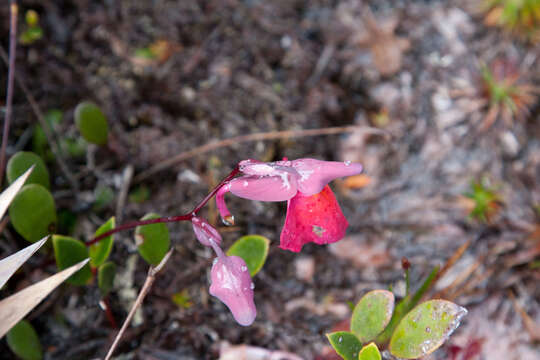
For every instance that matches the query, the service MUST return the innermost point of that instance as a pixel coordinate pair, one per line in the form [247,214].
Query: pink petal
[316,174]
[231,283]
[205,233]
[315,218]
[267,188]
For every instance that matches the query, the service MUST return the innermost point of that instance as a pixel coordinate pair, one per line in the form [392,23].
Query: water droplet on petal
[347,163]
[215,261]
[245,183]
[252,286]
[244,268]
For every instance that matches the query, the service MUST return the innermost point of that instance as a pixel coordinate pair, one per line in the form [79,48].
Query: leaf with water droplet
[370,352]
[346,344]
[425,328]
[372,314]
[253,249]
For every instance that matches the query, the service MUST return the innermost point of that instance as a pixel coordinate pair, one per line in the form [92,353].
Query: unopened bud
[205,233]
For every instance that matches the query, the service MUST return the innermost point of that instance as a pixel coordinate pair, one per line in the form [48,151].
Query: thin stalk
[168,219]
[14,9]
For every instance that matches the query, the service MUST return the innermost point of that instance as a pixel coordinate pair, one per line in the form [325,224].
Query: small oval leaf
[253,249]
[152,240]
[425,328]
[23,340]
[371,314]
[91,122]
[346,344]
[33,213]
[22,161]
[106,274]
[69,251]
[99,252]
[370,352]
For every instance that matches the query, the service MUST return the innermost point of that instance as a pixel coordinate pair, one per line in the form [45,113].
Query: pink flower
[313,214]
[231,283]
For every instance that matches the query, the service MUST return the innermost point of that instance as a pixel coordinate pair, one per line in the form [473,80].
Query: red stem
[185,217]
[108,312]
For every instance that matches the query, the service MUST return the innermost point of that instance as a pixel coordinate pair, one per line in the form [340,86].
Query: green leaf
[106,274]
[253,249]
[91,122]
[69,251]
[140,194]
[99,252]
[371,314]
[22,161]
[103,196]
[425,328]
[370,352]
[23,340]
[346,344]
[405,305]
[152,240]
[33,213]
[182,299]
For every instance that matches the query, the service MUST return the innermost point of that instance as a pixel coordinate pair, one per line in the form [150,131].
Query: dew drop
[347,163]
[340,339]
[228,220]
[214,262]
[425,346]
[245,183]
[428,329]
[244,268]
[252,286]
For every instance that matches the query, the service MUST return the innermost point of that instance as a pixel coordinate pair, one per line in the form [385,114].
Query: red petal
[316,218]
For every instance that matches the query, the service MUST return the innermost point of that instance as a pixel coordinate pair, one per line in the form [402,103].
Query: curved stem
[167,219]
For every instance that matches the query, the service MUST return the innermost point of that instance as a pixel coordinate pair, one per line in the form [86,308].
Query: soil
[227,68]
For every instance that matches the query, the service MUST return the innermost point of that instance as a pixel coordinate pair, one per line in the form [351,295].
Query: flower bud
[205,233]
[231,283]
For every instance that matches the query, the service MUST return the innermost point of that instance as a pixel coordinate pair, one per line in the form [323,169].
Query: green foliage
[405,305]
[66,221]
[33,31]
[152,240]
[23,340]
[22,161]
[74,147]
[346,344]
[33,213]
[69,251]
[425,328]
[485,201]
[372,314]
[182,299]
[91,122]
[140,194]
[100,251]
[40,144]
[499,92]
[253,249]
[105,274]
[370,352]
[103,196]
[518,16]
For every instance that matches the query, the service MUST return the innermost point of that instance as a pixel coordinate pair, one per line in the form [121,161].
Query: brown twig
[55,147]
[11,74]
[150,278]
[251,138]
